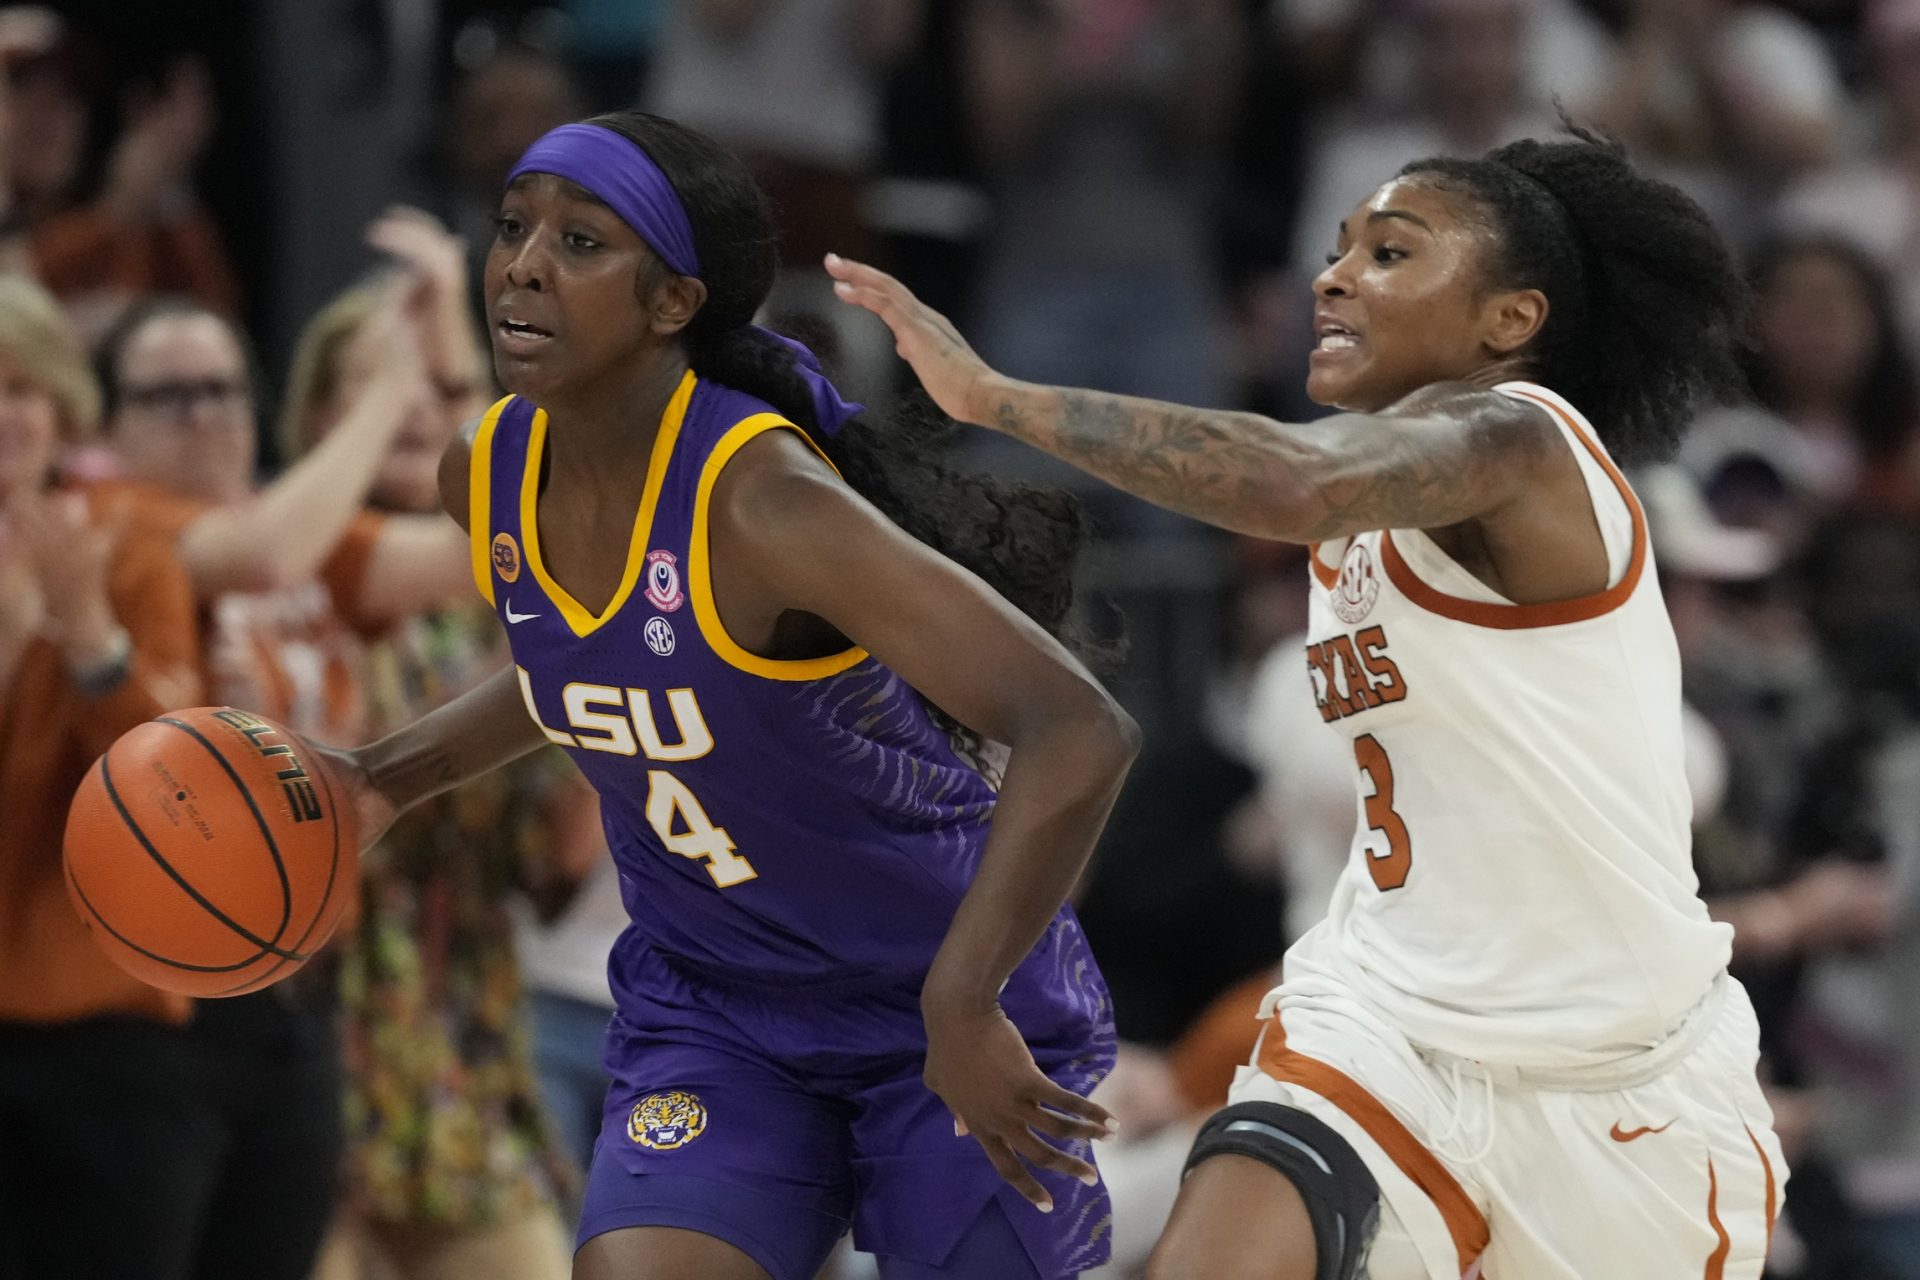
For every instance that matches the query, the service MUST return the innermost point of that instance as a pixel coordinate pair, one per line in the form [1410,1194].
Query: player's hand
[982,1069]
[373,810]
[947,367]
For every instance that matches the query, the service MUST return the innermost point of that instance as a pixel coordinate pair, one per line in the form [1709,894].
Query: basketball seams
[259,820]
[267,948]
[93,914]
[325,775]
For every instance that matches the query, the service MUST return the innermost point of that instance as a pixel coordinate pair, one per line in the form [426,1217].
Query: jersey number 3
[1389,869]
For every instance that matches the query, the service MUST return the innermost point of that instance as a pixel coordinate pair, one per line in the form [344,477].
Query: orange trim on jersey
[1717,1260]
[1513,617]
[1327,577]
[1766,1165]
[1465,1223]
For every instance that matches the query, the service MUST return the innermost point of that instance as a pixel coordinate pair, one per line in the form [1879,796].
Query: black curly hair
[1646,307]
[1022,541]
[1884,408]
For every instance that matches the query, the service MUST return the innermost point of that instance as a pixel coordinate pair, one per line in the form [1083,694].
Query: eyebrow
[1381,215]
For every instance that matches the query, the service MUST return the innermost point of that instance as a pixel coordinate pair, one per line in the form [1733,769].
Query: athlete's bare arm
[476,733]
[788,535]
[1449,456]
[1445,454]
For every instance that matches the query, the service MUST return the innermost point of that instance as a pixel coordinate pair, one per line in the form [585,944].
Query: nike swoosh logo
[518,617]
[1628,1135]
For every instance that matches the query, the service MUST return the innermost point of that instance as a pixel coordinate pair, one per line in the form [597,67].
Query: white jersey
[1520,889]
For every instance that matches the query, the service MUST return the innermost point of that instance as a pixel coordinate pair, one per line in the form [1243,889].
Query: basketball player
[1512,1048]
[765,679]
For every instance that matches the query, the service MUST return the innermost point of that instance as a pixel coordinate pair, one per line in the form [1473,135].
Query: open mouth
[1334,336]
[519,329]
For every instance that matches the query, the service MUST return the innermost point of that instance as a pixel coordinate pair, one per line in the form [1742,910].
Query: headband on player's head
[621,175]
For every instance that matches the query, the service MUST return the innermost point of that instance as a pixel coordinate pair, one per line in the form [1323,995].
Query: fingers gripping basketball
[208,852]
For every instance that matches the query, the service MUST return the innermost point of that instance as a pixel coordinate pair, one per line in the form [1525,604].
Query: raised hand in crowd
[167,129]
[449,340]
[54,563]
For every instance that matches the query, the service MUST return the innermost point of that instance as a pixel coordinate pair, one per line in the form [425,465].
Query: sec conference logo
[1358,587]
[506,557]
[659,634]
[667,1121]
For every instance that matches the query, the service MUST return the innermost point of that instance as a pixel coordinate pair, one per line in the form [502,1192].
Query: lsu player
[850,991]
[1512,1048]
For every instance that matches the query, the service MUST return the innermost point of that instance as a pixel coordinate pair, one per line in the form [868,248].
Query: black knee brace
[1342,1199]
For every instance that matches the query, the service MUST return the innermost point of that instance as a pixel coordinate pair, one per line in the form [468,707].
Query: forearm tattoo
[1437,460]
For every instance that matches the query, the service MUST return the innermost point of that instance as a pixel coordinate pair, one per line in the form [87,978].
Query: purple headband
[625,178]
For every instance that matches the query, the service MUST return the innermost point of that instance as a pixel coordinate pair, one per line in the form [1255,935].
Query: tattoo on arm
[1436,458]
[1201,463]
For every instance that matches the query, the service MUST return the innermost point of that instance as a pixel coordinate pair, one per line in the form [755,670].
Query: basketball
[209,853]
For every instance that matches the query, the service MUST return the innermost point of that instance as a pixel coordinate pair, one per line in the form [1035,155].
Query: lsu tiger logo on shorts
[506,557]
[667,1121]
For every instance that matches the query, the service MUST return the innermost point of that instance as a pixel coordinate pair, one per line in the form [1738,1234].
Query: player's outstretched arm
[784,525]
[1446,454]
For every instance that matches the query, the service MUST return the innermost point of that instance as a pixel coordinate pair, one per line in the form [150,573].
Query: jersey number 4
[1389,869]
[671,804]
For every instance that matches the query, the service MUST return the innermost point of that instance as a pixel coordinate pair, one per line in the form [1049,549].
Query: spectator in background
[287,581]
[1359,53]
[1874,200]
[96,636]
[451,1170]
[510,95]
[1471,82]
[810,132]
[1102,129]
[1833,369]
[143,231]
[1843,931]
[1727,98]
[564,939]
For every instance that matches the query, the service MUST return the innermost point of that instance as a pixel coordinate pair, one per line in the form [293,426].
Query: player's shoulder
[456,463]
[774,472]
[1511,415]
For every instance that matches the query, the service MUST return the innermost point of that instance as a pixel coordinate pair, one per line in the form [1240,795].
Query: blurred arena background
[1125,194]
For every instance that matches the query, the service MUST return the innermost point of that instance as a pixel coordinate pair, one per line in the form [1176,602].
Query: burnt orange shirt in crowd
[50,970]
[292,654]
[87,250]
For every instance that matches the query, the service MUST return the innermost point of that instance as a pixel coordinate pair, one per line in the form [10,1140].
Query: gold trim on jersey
[479,498]
[700,580]
[582,621]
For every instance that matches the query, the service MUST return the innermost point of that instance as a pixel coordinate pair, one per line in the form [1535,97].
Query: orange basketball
[210,852]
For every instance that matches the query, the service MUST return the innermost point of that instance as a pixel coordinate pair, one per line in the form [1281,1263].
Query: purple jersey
[785,822]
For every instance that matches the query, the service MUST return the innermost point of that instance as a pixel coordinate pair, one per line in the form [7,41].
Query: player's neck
[606,430]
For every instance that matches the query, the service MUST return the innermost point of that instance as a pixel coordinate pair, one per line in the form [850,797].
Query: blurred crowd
[212,491]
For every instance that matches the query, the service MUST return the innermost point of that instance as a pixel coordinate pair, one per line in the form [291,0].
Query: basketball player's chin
[525,375]
[1333,384]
